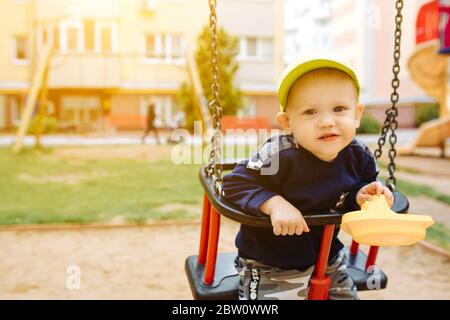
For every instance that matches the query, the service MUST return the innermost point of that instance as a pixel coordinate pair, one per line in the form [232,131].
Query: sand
[148,263]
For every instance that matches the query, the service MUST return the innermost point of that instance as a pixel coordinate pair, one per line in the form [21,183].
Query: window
[81,112]
[56,37]
[48,32]
[164,46]
[266,49]
[16,110]
[20,48]
[251,47]
[256,48]
[105,34]
[153,46]
[177,50]
[72,39]
[89,35]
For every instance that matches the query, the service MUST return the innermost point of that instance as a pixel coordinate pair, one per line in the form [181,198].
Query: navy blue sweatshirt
[308,183]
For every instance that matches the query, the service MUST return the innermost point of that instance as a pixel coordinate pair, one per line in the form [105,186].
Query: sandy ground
[148,263]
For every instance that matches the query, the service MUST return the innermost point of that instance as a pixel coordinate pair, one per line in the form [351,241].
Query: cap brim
[291,74]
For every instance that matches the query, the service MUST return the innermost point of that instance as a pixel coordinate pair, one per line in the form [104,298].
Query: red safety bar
[204,231]
[211,252]
[354,248]
[372,257]
[320,282]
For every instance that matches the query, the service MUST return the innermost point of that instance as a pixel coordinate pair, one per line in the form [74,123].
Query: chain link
[391,124]
[214,168]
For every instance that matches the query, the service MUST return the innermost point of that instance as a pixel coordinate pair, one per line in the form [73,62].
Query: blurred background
[111,57]
[91,92]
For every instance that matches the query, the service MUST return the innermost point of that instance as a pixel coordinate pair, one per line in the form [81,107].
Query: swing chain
[214,168]
[390,122]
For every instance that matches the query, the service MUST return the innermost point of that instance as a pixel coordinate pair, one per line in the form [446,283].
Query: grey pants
[258,281]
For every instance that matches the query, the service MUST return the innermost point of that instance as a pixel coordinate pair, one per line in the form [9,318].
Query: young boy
[317,166]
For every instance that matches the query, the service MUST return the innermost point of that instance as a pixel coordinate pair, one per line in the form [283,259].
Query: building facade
[364,31]
[112,57]
[307,27]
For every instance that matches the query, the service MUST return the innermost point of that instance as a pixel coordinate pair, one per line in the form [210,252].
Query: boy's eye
[310,112]
[340,109]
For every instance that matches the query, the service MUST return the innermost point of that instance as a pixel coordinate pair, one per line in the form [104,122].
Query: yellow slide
[430,71]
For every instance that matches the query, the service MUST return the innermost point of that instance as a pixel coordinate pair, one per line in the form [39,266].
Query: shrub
[369,125]
[426,112]
[49,124]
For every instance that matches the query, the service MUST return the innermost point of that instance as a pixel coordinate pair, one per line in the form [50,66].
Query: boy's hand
[286,219]
[374,188]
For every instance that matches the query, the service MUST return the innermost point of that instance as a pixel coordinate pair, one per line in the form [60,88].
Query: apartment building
[364,31]
[307,26]
[112,57]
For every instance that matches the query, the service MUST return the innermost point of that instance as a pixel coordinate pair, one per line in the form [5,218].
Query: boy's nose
[326,121]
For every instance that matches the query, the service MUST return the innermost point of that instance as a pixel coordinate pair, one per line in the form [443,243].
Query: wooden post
[198,94]
[42,109]
[32,96]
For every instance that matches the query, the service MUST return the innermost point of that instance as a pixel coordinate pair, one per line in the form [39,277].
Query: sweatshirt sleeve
[248,188]
[369,174]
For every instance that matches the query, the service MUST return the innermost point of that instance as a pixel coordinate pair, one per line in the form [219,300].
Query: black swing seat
[225,284]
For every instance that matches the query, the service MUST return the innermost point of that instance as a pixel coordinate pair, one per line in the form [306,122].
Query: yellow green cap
[308,63]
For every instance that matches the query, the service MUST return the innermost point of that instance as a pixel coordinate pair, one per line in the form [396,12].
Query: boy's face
[322,112]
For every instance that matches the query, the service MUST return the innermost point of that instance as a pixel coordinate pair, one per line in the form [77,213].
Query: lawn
[41,187]
[36,187]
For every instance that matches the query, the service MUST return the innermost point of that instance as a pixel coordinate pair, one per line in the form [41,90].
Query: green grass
[92,190]
[36,187]
[403,169]
[439,235]
[414,190]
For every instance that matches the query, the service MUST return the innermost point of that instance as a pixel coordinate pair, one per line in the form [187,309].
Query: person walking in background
[150,125]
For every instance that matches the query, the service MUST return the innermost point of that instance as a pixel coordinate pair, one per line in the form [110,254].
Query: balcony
[84,71]
[56,9]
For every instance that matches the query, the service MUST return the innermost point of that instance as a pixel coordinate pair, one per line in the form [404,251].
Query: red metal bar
[204,231]
[372,256]
[213,240]
[320,283]
[354,248]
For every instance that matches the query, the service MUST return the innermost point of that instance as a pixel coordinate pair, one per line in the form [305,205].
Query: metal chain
[214,168]
[391,114]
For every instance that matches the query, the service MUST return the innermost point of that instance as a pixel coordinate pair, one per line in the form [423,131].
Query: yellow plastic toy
[377,225]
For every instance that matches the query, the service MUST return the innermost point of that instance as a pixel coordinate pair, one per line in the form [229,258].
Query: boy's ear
[359,112]
[283,120]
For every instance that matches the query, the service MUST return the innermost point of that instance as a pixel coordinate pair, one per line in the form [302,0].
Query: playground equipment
[377,225]
[197,89]
[429,68]
[213,276]
[39,79]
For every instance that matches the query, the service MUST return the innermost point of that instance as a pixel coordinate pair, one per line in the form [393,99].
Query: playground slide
[36,85]
[430,71]
[198,94]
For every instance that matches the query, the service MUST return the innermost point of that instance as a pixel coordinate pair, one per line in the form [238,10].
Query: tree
[230,95]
